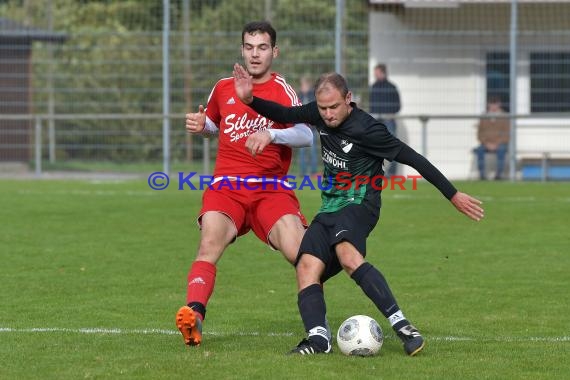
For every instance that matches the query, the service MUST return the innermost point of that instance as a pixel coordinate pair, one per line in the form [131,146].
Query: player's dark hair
[262,27]
[335,80]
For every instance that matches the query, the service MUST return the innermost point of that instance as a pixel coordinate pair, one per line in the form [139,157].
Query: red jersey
[236,122]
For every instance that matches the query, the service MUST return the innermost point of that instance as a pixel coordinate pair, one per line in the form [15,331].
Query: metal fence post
[51,139]
[544,167]
[338,36]
[166,87]
[38,144]
[424,120]
[513,90]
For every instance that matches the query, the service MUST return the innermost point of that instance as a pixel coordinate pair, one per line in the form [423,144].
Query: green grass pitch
[93,272]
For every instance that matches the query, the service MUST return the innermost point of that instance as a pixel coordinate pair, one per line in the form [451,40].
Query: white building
[448,56]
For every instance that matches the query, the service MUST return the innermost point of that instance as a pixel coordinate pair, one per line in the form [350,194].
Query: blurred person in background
[493,134]
[385,100]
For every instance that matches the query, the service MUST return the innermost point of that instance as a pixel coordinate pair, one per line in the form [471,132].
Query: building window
[498,77]
[550,82]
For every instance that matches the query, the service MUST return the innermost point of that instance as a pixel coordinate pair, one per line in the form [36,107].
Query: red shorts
[253,208]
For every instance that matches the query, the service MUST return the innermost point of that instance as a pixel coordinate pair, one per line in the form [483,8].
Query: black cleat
[308,347]
[412,339]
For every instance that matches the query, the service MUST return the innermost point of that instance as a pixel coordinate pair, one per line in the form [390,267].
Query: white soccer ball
[360,335]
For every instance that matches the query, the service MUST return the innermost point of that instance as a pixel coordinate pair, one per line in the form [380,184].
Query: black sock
[376,288]
[199,308]
[311,302]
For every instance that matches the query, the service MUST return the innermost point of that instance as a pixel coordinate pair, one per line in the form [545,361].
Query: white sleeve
[297,136]
[210,128]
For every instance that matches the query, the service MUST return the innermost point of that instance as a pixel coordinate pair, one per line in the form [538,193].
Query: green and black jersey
[353,154]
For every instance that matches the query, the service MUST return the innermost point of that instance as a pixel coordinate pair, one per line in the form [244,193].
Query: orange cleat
[189,325]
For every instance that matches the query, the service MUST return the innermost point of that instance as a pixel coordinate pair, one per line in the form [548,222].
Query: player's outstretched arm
[307,113]
[463,203]
[196,121]
[468,205]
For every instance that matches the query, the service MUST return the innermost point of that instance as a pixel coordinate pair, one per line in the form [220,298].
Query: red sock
[201,280]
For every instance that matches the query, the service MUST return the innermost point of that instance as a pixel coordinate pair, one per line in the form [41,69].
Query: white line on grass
[98,330]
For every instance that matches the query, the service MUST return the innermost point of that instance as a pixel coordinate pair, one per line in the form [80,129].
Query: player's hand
[256,142]
[195,122]
[243,84]
[468,205]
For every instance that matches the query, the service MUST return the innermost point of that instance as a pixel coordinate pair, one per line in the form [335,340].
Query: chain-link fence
[62,57]
[99,59]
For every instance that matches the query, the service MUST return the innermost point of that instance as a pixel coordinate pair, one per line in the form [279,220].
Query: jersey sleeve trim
[288,90]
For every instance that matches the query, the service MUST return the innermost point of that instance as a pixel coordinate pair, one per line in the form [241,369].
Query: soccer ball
[360,335]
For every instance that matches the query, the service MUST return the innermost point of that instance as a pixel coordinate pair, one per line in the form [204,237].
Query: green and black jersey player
[354,144]
[353,153]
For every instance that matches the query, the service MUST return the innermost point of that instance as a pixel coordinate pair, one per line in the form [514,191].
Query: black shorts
[353,224]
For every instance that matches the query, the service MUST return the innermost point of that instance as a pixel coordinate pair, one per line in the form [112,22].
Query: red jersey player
[251,149]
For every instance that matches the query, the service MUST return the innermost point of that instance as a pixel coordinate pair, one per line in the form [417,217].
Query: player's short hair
[262,27]
[333,79]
